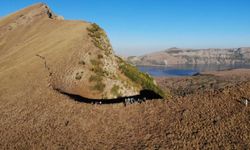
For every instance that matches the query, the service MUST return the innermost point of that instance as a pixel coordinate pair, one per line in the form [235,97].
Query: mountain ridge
[76,56]
[175,56]
[41,59]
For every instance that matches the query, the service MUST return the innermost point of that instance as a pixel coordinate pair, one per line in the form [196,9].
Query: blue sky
[137,27]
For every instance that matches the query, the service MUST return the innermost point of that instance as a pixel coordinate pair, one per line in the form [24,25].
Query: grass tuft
[78,75]
[99,74]
[82,62]
[115,90]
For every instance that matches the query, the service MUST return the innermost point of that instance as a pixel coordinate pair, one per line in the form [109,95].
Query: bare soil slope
[34,116]
[73,57]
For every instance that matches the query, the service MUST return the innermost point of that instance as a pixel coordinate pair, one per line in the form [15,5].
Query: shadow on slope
[142,97]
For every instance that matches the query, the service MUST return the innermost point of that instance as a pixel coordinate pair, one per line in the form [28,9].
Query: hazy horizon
[148,51]
[145,26]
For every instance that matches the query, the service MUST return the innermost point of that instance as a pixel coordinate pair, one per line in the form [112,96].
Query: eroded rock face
[175,56]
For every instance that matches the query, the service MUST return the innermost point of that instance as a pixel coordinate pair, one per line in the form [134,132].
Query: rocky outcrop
[175,56]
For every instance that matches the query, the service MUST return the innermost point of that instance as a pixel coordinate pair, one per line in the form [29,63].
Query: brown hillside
[40,52]
[73,57]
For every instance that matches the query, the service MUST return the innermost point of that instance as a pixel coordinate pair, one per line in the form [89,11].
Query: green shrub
[97,67]
[82,62]
[98,77]
[115,90]
[78,76]
[100,56]
[94,28]
[99,86]
[140,78]
[95,78]
[13,25]
[95,62]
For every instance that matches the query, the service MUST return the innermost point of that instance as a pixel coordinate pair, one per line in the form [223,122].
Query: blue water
[164,71]
[186,70]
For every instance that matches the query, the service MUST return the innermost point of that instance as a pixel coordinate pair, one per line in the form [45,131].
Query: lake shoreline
[187,70]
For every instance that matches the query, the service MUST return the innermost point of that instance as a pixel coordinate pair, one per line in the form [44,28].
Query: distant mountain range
[175,56]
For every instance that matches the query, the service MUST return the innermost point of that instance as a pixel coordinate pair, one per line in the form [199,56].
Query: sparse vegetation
[100,56]
[78,75]
[115,90]
[94,62]
[12,26]
[99,86]
[99,38]
[97,67]
[94,28]
[82,62]
[95,78]
[140,78]
[99,74]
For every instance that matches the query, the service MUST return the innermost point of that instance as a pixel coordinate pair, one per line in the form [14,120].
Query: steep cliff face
[175,56]
[77,56]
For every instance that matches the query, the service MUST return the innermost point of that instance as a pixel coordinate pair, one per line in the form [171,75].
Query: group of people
[133,100]
[126,101]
